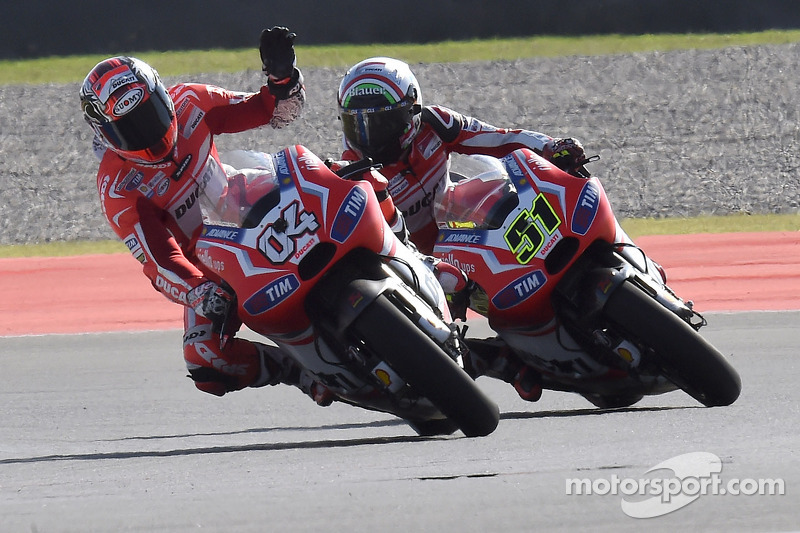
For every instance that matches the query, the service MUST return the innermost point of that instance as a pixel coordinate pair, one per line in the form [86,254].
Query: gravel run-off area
[682,133]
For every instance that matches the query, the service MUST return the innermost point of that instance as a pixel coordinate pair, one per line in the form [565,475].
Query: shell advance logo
[223,233]
[282,172]
[462,236]
[515,173]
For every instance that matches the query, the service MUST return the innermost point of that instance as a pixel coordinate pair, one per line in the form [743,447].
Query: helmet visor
[143,128]
[370,130]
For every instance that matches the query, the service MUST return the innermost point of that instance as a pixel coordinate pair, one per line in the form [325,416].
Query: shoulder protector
[445,122]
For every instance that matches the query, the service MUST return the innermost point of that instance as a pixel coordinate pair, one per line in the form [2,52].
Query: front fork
[585,289]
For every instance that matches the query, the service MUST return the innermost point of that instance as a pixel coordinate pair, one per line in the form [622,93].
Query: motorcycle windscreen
[480,202]
[239,197]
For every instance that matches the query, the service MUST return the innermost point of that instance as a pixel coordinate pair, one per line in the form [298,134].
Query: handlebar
[353,170]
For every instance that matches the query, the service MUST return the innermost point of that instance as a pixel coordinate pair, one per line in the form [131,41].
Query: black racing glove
[287,87]
[277,52]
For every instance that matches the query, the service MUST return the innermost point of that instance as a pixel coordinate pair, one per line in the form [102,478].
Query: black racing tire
[686,358]
[434,427]
[612,402]
[421,363]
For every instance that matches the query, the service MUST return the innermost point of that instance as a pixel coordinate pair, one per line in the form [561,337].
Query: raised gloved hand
[277,52]
[567,153]
[286,88]
[211,301]
[284,81]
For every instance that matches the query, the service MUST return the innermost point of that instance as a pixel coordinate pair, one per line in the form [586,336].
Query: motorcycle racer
[156,151]
[382,117]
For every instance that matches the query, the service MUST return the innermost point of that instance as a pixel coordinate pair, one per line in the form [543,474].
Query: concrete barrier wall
[39,28]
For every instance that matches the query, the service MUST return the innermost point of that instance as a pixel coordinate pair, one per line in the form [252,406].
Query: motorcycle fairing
[555,218]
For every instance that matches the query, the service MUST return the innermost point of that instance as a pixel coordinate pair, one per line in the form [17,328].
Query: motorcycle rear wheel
[421,363]
[687,359]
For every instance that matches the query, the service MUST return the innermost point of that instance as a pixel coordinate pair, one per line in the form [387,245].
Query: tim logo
[586,208]
[272,295]
[349,214]
[519,290]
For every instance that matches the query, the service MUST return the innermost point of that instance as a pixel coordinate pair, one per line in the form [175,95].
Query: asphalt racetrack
[103,432]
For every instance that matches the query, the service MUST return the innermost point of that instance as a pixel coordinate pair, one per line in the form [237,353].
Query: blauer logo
[519,290]
[271,295]
[349,214]
[586,208]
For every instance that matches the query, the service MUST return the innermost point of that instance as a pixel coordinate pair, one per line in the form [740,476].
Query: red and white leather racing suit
[154,210]
[416,179]
[422,173]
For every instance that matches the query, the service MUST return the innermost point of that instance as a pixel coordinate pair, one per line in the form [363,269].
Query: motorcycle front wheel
[421,363]
[686,358]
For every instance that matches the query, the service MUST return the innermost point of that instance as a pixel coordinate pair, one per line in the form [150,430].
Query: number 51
[526,236]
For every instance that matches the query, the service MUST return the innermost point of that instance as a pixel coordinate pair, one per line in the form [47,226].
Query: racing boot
[526,383]
[493,358]
[315,390]
[277,367]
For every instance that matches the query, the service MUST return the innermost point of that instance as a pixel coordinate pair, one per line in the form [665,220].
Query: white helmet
[379,105]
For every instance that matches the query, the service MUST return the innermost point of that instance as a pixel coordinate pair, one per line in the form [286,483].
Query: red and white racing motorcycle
[568,291]
[317,270]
